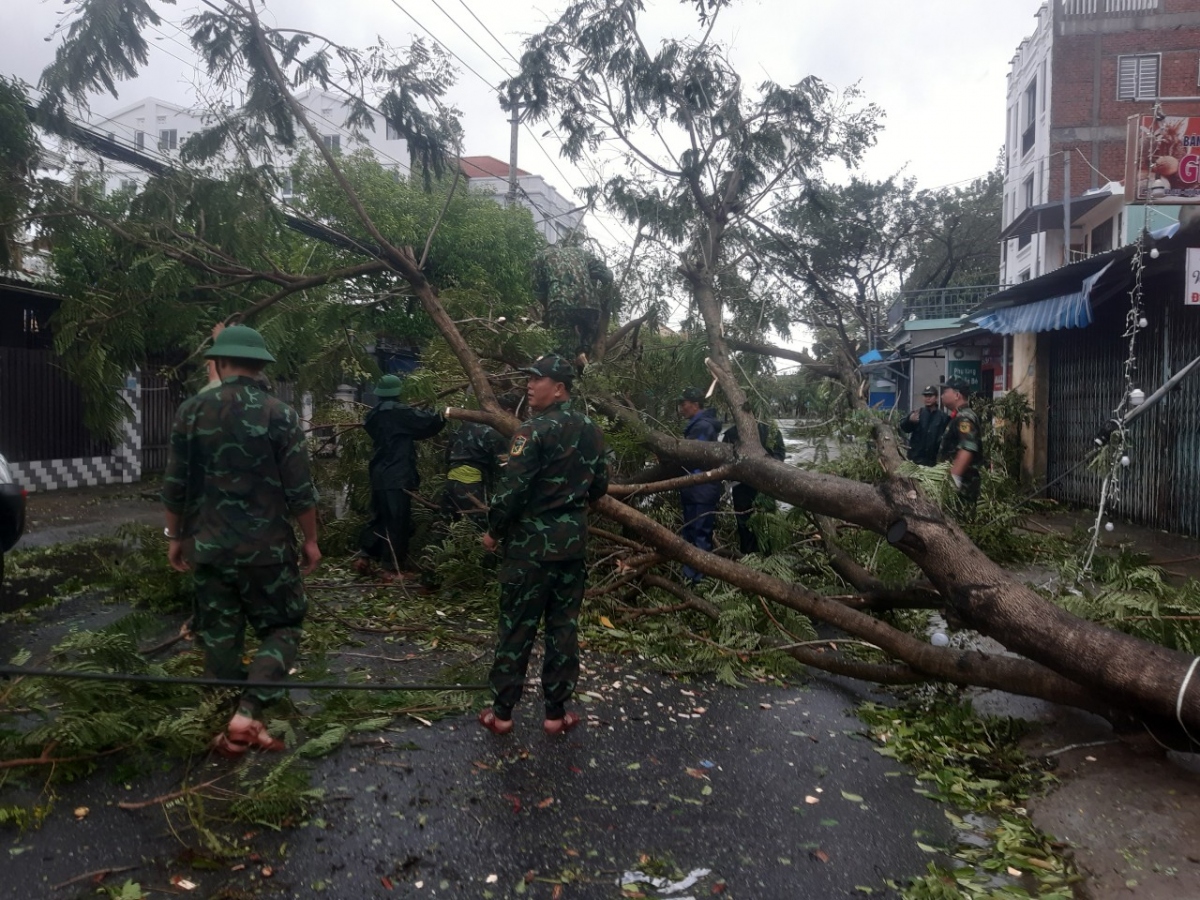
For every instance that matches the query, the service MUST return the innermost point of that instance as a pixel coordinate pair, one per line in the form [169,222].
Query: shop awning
[1049,216]
[1073,310]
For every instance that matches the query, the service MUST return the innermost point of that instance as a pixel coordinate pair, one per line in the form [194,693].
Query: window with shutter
[1137,77]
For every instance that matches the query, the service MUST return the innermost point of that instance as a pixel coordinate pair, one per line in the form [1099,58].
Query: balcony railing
[1097,8]
[939,303]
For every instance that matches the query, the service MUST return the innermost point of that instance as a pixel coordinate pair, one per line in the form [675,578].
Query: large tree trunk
[1128,673]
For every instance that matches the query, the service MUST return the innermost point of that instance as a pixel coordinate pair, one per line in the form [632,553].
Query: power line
[493,87]
[470,38]
[468,66]
[21,672]
[489,31]
[533,136]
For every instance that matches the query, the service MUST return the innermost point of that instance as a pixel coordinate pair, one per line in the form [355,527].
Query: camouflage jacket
[569,277]
[556,466]
[963,433]
[478,445]
[393,427]
[237,474]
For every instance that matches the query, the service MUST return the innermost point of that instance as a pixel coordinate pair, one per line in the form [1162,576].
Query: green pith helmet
[240,342]
[388,386]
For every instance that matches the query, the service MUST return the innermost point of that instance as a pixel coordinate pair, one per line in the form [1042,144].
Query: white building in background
[159,129]
[553,214]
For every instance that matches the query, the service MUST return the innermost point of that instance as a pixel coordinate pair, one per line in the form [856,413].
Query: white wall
[1032,61]
[552,212]
[151,116]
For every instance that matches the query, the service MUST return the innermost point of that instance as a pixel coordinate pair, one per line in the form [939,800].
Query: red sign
[1162,160]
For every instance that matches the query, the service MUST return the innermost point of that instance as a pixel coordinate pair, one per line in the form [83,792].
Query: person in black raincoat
[394,428]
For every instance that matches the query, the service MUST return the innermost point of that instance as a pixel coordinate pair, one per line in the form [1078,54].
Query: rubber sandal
[223,746]
[488,719]
[561,726]
[244,734]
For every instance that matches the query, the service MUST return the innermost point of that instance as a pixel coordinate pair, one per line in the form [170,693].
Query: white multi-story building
[159,129]
[1073,85]
[553,214]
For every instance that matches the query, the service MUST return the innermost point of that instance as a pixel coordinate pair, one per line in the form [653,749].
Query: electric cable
[63,674]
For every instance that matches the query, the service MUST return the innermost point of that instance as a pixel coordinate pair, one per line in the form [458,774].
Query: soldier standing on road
[474,457]
[556,467]
[700,500]
[962,443]
[394,428]
[925,427]
[237,476]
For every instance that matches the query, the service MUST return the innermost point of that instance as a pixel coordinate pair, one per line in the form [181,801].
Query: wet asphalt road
[453,811]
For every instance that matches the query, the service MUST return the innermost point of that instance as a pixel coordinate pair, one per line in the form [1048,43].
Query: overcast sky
[937,67]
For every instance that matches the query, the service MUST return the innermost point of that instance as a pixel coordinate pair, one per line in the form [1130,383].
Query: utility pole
[514,108]
[1066,207]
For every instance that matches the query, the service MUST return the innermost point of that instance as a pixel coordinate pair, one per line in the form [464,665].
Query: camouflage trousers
[470,500]
[574,329]
[270,599]
[968,495]
[530,591]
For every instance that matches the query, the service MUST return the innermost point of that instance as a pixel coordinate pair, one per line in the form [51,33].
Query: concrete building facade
[1074,83]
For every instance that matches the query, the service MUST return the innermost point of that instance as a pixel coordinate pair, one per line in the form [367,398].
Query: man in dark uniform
[237,477]
[394,428]
[700,500]
[743,495]
[925,427]
[556,467]
[474,457]
[962,443]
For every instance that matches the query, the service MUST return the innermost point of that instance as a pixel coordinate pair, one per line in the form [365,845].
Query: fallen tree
[708,159]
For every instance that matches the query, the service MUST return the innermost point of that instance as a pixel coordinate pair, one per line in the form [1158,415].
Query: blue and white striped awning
[1066,311]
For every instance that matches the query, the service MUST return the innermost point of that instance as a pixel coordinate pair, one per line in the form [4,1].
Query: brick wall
[1086,115]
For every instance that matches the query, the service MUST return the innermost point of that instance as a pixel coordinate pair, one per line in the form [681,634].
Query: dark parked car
[12,513]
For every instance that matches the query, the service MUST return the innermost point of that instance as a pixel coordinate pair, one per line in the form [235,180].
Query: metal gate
[41,410]
[1161,486]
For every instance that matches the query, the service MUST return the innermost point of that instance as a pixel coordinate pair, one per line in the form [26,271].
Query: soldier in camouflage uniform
[556,466]
[575,287]
[962,444]
[237,476]
[474,457]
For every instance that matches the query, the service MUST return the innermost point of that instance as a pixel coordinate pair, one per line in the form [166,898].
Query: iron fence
[41,410]
[938,303]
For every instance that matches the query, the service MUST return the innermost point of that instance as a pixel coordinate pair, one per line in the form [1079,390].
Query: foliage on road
[974,764]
